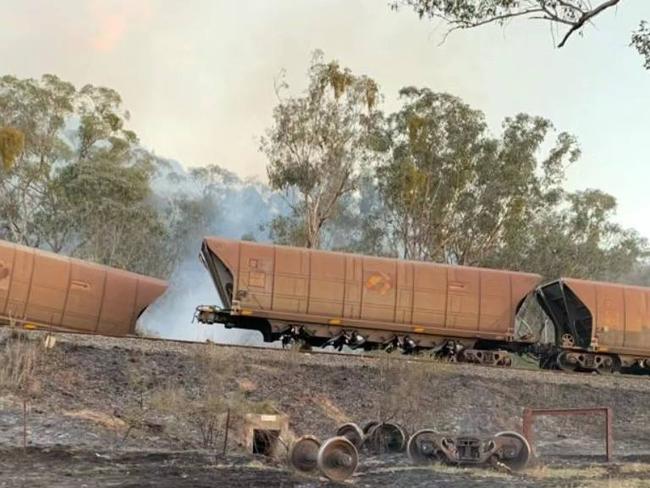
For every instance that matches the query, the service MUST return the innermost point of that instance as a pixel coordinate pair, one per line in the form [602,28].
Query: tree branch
[586,17]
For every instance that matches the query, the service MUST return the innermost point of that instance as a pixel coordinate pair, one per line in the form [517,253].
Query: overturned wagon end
[46,290]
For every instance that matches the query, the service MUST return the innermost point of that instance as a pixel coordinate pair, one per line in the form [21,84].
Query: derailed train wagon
[44,289]
[597,326]
[330,298]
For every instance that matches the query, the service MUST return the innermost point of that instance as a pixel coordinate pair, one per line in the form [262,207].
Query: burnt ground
[88,392]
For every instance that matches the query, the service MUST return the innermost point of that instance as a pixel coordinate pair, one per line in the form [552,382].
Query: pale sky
[197,75]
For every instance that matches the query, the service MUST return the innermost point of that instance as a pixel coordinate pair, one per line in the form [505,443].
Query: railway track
[373,356]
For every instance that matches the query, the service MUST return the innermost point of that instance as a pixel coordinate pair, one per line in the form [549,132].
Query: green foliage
[641,42]
[442,187]
[575,239]
[358,224]
[82,187]
[428,181]
[288,230]
[12,142]
[565,17]
[452,192]
[317,144]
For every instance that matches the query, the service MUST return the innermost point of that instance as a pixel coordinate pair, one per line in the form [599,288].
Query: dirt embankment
[129,412]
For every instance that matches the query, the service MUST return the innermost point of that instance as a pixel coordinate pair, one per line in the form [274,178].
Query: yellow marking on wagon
[246,311]
[418,328]
[335,321]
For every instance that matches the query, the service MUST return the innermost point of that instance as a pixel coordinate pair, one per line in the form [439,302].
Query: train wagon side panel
[636,318]
[610,327]
[291,280]
[379,293]
[256,268]
[19,274]
[463,298]
[49,290]
[326,284]
[7,267]
[620,314]
[85,294]
[353,287]
[496,302]
[118,304]
[295,285]
[429,295]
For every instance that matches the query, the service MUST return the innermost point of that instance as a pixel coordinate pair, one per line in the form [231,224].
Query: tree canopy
[81,184]
[317,145]
[452,191]
[567,17]
[432,182]
[428,181]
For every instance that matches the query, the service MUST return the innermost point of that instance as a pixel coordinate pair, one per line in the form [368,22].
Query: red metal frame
[530,414]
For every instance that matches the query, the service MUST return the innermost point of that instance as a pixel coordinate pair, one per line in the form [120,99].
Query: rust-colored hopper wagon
[44,289]
[329,298]
[597,326]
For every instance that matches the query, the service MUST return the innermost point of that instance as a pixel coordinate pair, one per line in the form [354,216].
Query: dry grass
[592,476]
[562,473]
[20,360]
[635,468]
[330,410]
[205,408]
[19,357]
[613,483]
[404,388]
[107,421]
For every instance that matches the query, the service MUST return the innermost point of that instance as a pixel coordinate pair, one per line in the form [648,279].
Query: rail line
[376,356]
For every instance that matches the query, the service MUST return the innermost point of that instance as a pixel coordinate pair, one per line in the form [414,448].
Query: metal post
[527,428]
[608,434]
[225,438]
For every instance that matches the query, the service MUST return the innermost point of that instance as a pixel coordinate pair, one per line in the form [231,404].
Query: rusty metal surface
[620,313]
[530,414]
[337,459]
[303,454]
[49,290]
[509,450]
[295,284]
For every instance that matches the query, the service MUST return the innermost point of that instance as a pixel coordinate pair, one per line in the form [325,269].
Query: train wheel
[609,365]
[386,437]
[369,426]
[338,459]
[513,450]
[303,455]
[566,362]
[351,432]
[422,447]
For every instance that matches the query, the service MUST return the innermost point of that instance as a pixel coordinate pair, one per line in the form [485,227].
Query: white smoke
[243,206]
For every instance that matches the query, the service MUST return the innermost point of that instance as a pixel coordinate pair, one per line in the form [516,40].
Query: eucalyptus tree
[452,191]
[81,184]
[316,146]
